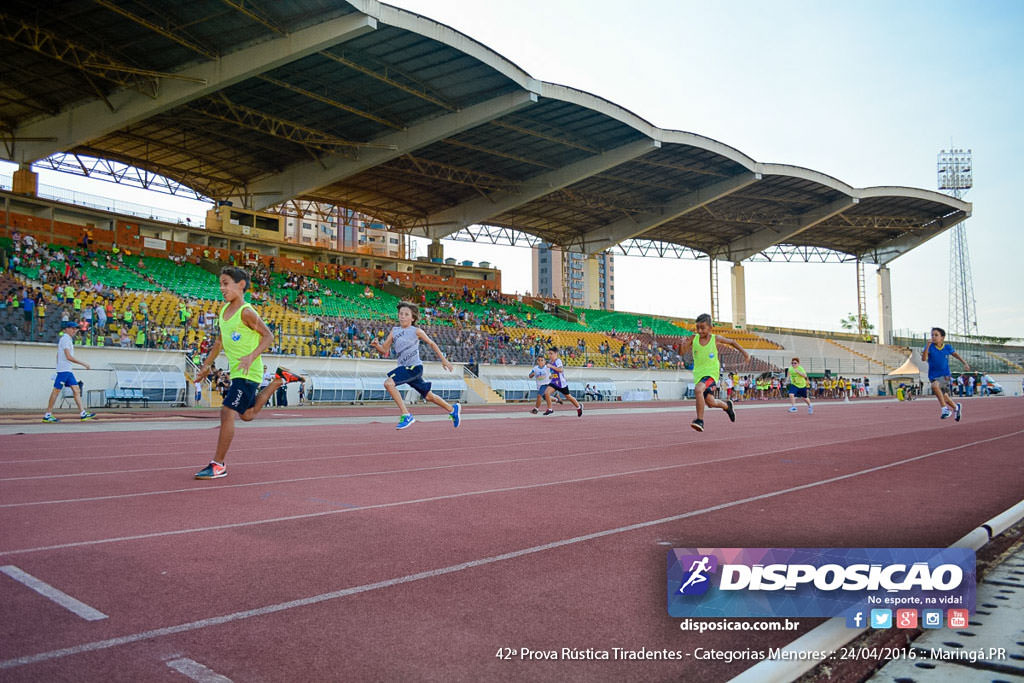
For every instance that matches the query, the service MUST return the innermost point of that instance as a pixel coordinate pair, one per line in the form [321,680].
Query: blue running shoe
[50,418]
[957,414]
[406,421]
[214,470]
[87,416]
[455,415]
[792,409]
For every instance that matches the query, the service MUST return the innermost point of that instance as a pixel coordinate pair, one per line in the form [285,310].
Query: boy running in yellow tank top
[798,386]
[707,367]
[243,338]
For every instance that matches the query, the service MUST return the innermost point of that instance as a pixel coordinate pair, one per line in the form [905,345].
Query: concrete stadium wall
[671,383]
[27,369]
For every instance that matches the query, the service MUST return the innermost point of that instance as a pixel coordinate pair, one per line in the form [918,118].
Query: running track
[338,549]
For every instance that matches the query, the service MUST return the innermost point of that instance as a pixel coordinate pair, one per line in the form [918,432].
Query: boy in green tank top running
[243,338]
[798,384]
[706,368]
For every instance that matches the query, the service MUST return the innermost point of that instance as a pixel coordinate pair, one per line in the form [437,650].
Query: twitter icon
[881,618]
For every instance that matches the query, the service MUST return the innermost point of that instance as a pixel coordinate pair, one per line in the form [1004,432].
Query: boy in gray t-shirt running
[406,338]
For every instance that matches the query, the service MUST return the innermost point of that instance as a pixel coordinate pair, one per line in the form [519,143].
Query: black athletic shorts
[564,390]
[241,395]
[709,386]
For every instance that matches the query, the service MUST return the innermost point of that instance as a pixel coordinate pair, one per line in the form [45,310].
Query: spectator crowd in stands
[471,325]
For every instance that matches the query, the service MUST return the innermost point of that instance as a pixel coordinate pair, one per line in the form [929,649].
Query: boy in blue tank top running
[406,338]
[707,367]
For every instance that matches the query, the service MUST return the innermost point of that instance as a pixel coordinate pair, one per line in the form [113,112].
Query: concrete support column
[435,250]
[885,332]
[739,296]
[25,181]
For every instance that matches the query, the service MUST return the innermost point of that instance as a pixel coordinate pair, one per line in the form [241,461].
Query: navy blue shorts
[411,375]
[64,379]
[799,392]
[563,390]
[709,386]
[241,395]
[542,389]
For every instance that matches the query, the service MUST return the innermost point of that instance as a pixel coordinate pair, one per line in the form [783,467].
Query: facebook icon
[855,620]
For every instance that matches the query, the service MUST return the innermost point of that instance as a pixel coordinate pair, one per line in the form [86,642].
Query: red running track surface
[354,552]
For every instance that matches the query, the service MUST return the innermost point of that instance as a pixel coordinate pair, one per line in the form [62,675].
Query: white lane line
[451,569]
[47,591]
[449,496]
[546,458]
[265,444]
[386,452]
[103,426]
[196,671]
[349,475]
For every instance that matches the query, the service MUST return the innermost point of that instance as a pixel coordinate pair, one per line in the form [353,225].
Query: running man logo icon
[695,581]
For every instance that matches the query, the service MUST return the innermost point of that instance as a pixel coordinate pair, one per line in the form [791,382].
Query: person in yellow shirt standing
[798,386]
[243,338]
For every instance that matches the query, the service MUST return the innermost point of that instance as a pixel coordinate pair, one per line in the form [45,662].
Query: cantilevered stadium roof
[370,107]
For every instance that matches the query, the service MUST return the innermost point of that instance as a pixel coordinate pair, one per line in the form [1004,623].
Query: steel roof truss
[633,226]
[86,60]
[477,210]
[88,121]
[169,31]
[745,247]
[417,90]
[307,177]
[898,246]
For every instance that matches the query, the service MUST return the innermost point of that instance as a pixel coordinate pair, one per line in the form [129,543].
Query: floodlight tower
[955,177]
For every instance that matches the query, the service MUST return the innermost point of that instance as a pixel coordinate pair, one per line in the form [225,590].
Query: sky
[868,92]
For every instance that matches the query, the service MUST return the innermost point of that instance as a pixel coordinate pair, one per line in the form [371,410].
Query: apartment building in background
[342,229]
[574,278]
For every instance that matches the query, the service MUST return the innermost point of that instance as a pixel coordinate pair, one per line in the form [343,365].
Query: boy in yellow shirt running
[243,338]
[707,367]
[798,382]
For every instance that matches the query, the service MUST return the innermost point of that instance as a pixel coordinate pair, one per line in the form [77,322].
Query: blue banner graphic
[862,584]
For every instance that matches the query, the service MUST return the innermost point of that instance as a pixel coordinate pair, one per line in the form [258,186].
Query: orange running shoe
[288,376]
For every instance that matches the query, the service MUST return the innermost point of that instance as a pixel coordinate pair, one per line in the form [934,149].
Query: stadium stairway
[885,367]
[398,291]
[480,388]
[1003,359]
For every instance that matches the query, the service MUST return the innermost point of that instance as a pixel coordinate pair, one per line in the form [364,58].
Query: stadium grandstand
[317,308]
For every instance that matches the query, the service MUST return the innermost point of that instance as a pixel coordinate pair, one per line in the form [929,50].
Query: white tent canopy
[908,369]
